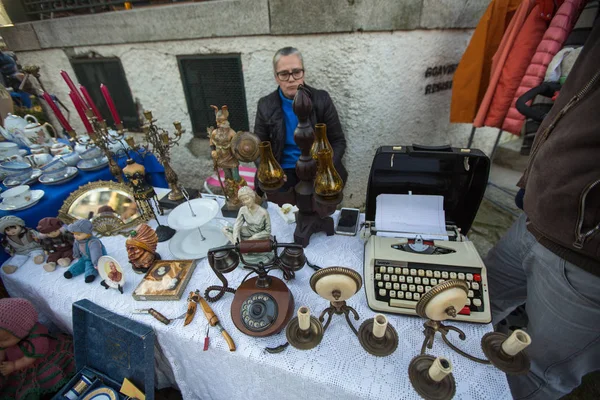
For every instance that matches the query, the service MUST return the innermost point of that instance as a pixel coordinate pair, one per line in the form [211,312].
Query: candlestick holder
[377,336]
[159,142]
[102,138]
[304,332]
[319,191]
[441,303]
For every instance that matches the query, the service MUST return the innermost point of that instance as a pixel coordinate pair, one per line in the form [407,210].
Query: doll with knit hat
[87,248]
[32,362]
[56,242]
[20,242]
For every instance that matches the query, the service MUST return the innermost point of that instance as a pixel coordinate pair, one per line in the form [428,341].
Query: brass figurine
[227,148]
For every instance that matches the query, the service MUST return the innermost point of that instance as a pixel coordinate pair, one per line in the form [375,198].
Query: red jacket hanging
[512,70]
[552,42]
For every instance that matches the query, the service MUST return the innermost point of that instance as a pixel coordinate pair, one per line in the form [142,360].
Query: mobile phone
[348,222]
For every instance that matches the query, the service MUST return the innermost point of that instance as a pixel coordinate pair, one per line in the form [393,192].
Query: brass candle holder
[159,142]
[443,302]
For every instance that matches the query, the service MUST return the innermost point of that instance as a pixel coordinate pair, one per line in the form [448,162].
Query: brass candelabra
[102,139]
[159,142]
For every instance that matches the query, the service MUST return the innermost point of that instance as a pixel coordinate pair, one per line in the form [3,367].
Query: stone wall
[390,87]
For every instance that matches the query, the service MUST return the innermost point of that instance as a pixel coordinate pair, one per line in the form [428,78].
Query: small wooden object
[213,320]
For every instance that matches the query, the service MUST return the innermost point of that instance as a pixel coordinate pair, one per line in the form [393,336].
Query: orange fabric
[472,76]
[508,40]
[518,60]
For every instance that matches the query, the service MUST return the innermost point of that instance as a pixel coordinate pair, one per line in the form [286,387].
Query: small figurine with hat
[87,248]
[141,248]
[56,242]
[19,242]
[33,364]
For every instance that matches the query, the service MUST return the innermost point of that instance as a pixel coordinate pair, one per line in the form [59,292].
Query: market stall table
[337,368]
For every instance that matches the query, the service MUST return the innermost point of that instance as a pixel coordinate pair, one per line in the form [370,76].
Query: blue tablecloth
[54,196]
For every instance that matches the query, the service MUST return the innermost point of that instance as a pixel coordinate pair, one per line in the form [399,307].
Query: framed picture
[165,280]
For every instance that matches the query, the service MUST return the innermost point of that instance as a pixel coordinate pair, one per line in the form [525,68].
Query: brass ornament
[304,340]
[436,290]
[245,146]
[335,271]
[418,374]
[106,224]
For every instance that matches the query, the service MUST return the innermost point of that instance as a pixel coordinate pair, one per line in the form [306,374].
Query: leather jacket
[270,125]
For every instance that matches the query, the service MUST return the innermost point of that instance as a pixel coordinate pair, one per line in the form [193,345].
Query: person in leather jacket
[276,121]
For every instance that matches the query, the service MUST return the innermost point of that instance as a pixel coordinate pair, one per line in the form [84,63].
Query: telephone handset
[262,305]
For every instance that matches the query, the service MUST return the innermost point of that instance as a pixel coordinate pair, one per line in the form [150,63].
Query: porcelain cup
[91,153]
[60,148]
[55,168]
[8,149]
[16,196]
[15,168]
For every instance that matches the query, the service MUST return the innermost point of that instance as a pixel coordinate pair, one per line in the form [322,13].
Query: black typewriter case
[460,175]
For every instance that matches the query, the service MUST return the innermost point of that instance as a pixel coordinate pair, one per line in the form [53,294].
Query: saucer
[70,174]
[188,245]
[36,195]
[87,165]
[10,182]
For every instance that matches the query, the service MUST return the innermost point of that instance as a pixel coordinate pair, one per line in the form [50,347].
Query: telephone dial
[262,305]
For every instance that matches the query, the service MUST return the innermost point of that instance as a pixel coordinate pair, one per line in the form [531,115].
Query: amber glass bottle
[328,183]
[321,142]
[269,173]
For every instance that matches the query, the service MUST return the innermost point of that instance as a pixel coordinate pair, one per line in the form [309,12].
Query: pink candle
[59,115]
[81,111]
[90,102]
[110,103]
[72,86]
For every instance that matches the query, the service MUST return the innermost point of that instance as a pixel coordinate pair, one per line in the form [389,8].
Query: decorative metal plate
[436,290]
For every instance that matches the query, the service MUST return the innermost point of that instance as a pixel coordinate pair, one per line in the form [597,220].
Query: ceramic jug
[15,127]
[36,133]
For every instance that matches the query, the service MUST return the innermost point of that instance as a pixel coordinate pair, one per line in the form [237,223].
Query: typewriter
[401,265]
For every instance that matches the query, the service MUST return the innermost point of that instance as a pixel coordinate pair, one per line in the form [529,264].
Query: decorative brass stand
[314,211]
[159,143]
[441,302]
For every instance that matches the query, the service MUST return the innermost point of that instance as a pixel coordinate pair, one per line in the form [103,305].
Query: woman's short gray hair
[245,191]
[286,51]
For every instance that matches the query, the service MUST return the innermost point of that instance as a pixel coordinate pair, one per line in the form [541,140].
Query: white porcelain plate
[108,265]
[192,214]
[188,245]
[36,195]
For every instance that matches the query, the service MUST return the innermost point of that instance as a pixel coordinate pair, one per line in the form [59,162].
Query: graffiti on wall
[437,71]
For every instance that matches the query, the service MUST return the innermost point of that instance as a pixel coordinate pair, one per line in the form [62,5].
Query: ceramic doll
[87,248]
[141,248]
[20,242]
[33,364]
[252,223]
[56,242]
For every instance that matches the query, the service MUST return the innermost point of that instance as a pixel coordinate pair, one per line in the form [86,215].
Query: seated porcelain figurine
[252,223]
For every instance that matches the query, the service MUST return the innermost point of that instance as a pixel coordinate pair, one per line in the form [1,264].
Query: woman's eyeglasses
[285,75]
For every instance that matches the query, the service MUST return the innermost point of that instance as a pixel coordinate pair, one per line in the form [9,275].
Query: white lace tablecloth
[338,368]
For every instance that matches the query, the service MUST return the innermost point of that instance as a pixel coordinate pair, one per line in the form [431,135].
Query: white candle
[380,323]
[516,342]
[304,318]
[440,368]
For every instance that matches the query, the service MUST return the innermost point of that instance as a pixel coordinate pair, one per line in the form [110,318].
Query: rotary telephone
[262,305]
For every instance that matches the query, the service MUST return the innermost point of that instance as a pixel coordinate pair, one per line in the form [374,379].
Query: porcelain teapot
[14,128]
[36,133]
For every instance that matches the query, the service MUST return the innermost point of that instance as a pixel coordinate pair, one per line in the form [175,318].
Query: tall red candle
[59,115]
[72,86]
[81,111]
[90,102]
[110,103]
